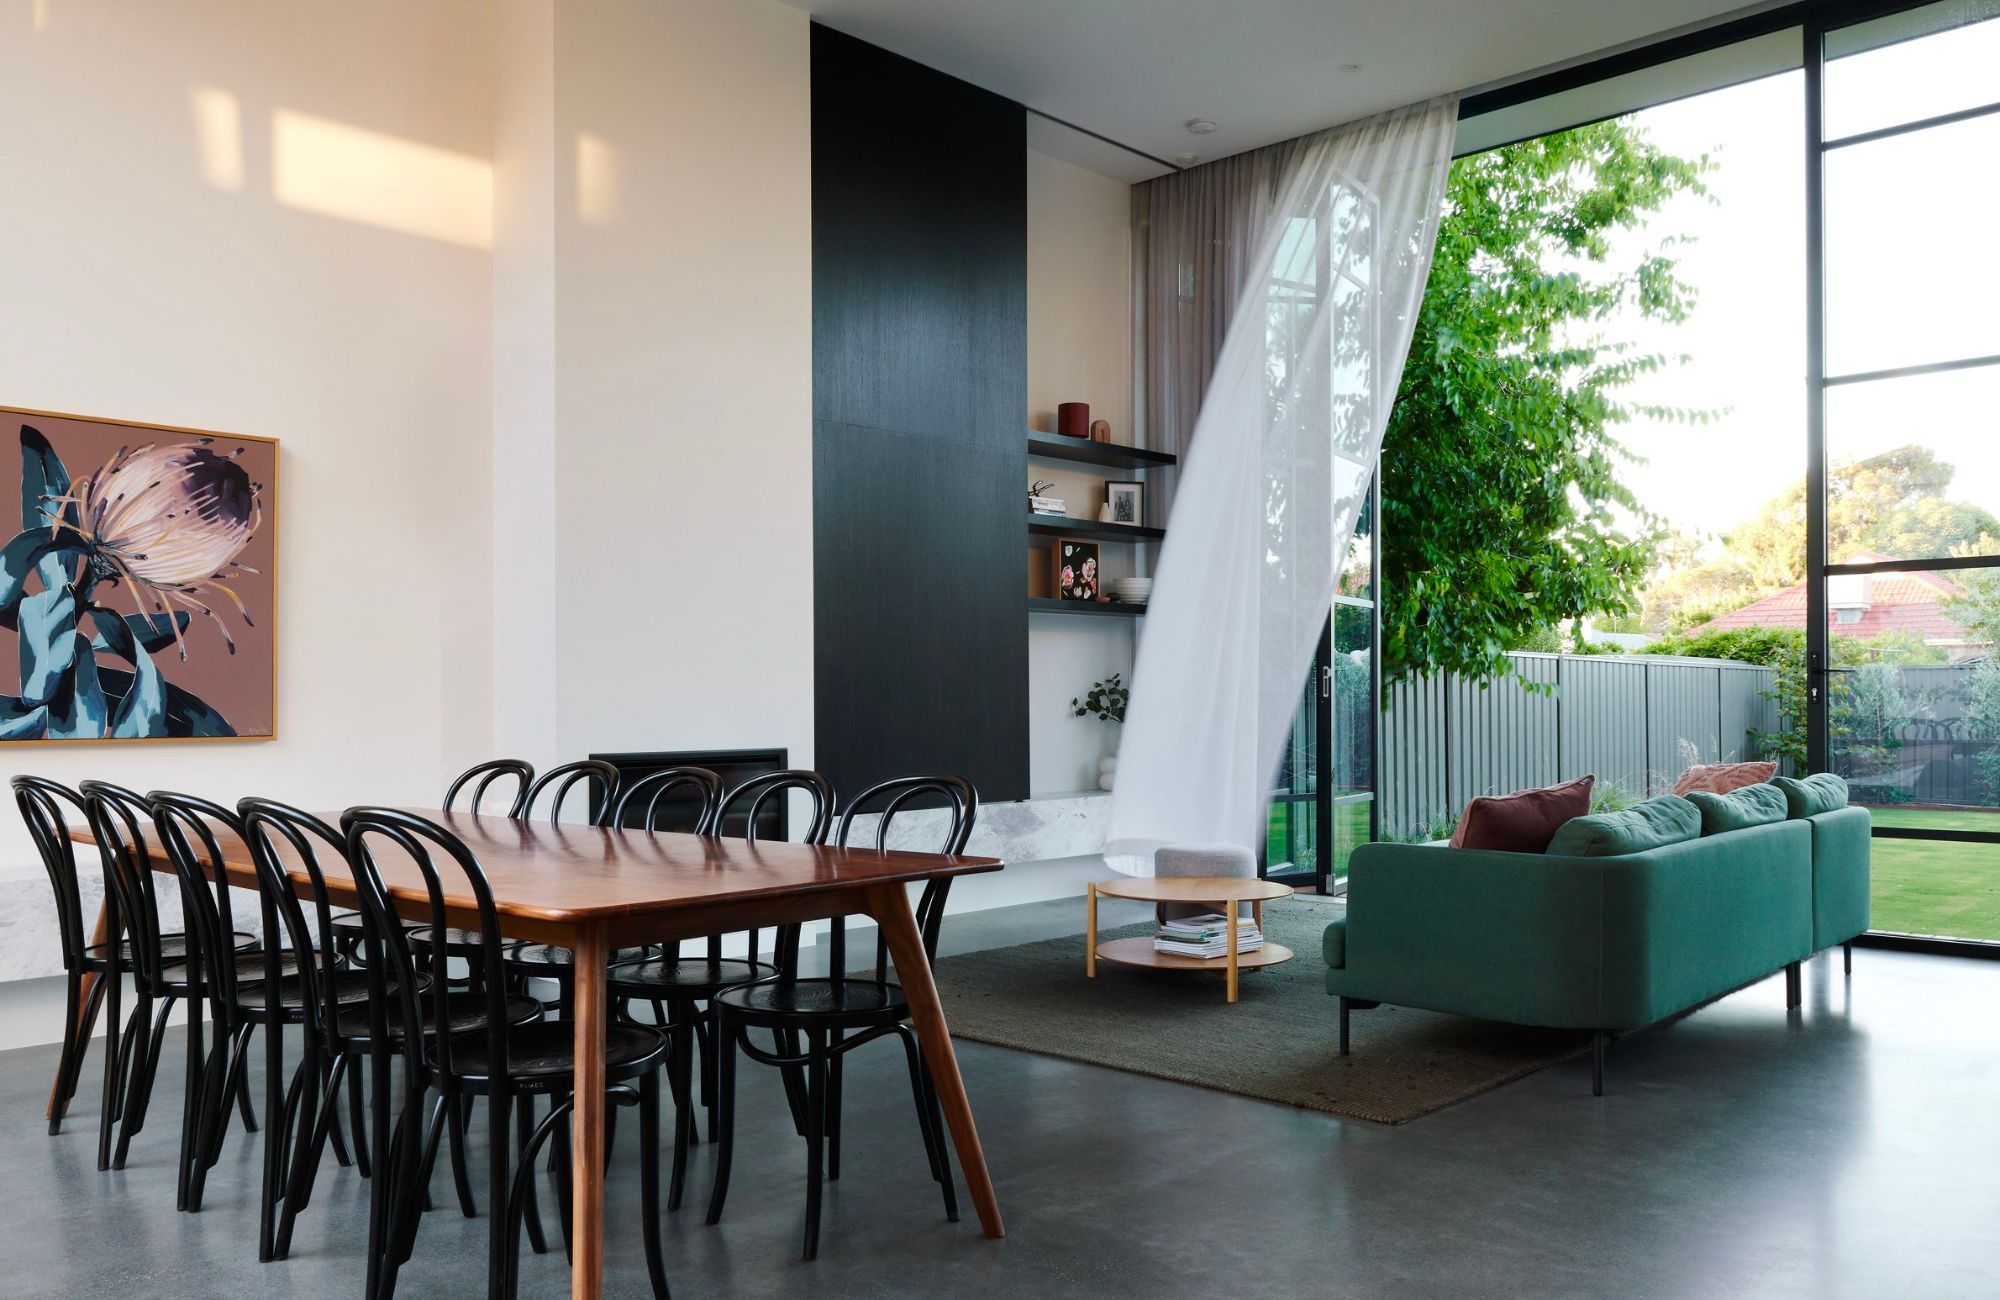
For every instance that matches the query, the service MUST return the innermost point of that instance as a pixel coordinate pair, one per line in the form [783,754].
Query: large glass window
[1910,405]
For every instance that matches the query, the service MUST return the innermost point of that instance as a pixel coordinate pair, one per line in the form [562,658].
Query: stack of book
[1206,936]
[1045,505]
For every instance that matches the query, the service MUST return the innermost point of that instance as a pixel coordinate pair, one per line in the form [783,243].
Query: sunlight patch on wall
[38,14]
[596,180]
[218,136]
[338,170]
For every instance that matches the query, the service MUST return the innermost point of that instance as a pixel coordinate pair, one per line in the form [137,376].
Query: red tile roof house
[1864,605]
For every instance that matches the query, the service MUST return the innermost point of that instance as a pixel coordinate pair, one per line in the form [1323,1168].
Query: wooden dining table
[595,890]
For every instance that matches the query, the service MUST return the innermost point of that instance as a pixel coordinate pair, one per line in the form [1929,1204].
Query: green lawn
[1350,828]
[1923,887]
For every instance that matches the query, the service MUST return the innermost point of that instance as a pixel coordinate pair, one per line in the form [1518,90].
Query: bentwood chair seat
[250,972]
[845,1003]
[173,949]
[465,1013]
[347,988]
[541,1057]
[695,977]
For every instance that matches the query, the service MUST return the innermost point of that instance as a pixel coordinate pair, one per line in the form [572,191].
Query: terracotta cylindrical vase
[1073,420]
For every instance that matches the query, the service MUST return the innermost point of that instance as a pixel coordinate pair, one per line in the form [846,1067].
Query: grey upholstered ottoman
[1231,860]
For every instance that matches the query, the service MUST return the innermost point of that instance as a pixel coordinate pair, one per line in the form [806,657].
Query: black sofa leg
[1343,1026]
[1792,994]
[1597,1040]
[1847,957]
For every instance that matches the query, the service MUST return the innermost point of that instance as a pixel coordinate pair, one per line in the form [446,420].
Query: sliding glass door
[1903,118]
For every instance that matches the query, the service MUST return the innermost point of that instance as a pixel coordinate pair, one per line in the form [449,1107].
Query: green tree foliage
[1893,504]
[1506,510]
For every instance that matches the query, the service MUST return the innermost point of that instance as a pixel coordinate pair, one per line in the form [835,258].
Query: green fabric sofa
[1597,943]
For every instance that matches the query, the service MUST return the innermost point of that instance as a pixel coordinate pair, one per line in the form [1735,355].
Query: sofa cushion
[1721,778]
[1334,943]
[1524,821]
[1653,824]
[1808,796]
[1753,805]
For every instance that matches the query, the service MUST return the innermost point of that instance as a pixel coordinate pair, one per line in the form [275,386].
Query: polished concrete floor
[1852,1148]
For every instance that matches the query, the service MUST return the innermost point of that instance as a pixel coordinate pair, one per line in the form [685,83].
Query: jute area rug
[1279,1042]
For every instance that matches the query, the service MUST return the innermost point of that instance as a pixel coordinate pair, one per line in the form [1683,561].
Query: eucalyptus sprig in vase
[1104,700]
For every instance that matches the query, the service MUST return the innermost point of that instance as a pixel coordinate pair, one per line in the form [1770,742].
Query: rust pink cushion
[1721,778]
[1522,822]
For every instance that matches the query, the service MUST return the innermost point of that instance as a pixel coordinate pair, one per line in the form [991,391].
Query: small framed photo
[1075,576]
[1127,502]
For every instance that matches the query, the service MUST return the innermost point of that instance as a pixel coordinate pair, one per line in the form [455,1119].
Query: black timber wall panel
[919,406]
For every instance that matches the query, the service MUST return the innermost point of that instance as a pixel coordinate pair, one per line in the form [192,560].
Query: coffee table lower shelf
[1140,952]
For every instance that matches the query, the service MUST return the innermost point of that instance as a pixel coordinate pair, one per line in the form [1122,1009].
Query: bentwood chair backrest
[481,776]
[187,829]
[645,795]
[587,772]
[749,798]
[46,807]
[117,819]
[283,839]
[375,834]
[884,802]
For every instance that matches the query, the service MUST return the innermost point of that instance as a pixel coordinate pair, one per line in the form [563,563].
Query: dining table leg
[86,1014]
[890,906]
[586,1150]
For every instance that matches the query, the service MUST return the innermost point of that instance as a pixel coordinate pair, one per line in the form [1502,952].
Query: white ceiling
[1264,70]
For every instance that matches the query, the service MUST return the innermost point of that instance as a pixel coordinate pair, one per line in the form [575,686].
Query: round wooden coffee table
[1227,893]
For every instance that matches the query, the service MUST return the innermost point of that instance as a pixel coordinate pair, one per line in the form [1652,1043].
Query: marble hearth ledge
[1029,830]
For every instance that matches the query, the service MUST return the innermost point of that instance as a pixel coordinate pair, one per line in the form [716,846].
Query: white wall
[153,268]
[1079,349]
[683,372]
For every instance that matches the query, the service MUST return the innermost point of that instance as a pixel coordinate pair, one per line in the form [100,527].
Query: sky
[1910,279]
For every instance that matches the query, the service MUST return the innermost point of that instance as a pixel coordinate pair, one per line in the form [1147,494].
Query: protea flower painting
[139,589]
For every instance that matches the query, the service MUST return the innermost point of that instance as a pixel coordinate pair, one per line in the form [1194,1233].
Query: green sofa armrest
[1506,936]
[1840,844]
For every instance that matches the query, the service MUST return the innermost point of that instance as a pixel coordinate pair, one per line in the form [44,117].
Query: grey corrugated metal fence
[1637,721]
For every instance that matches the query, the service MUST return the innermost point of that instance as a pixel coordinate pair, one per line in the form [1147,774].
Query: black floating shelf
[1048,605]
[1090,530]
[1053,446]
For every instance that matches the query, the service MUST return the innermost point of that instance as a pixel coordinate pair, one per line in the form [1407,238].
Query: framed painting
[140,592]
[1075,576]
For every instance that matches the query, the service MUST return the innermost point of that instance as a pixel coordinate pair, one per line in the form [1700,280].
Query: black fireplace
[676,811]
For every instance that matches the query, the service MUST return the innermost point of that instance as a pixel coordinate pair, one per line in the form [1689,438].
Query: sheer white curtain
[1278,467]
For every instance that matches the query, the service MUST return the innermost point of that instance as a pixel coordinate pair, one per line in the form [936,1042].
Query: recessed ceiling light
[1350,67]
[1200,126]
[1187,159]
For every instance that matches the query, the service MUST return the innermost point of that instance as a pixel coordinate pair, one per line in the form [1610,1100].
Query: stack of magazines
[1206,936]
[1045,505]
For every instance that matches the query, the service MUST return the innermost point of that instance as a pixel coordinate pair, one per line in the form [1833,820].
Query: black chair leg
[356,1121]
[191,1098]
[524,1129]
[649,1180]
[1597,1037]
[455,1117]
[1344,1011]
[319,1113]
[834,1058]
[114,1045]
[279,1113]
[709,1044]
[336,1066]
[146,1068]
[211,1114]
[815,1135]
[936,1114]
[433,1138]
[241,1087]
[72,1048]
[501,1239]
[680,1069]
[565,1192]
[724,1113]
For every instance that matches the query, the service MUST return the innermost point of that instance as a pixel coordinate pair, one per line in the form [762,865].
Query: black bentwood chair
[166,967]
[499,1060]
[242,992]
[687,985]
[334,1023]
[825,1011]
[544,960]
